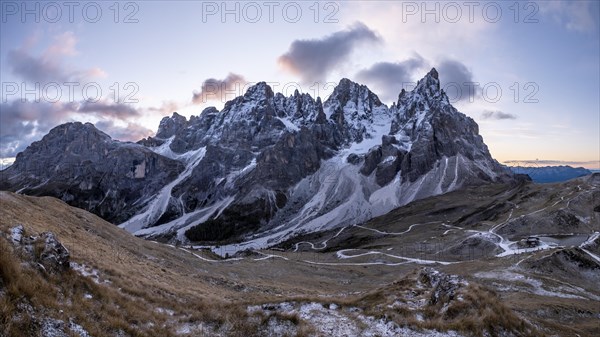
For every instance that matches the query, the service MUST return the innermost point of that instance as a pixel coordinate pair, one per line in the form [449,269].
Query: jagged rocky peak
[75,129]
[321,117]
[300,108]
[430,83]
[205,120]
[83,166]
[433,74]
[425,99]
[351,92]
[75,137]
[255,163]
[171,125]
[355,110]
[427,88]
[253,105]
[209,110]
[352,101]
[259,91]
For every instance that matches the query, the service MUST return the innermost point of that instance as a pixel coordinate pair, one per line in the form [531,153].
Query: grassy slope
[145,276]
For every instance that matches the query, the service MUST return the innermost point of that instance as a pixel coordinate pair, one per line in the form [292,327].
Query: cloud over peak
[221,90]
[313,59]
[109,109]
[390,77]
[457,80]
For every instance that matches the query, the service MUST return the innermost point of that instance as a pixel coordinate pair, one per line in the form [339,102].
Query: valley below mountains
[457,264]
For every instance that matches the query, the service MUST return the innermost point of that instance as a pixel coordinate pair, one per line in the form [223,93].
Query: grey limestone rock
[262,158]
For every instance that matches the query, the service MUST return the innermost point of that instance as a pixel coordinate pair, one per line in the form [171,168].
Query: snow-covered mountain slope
[268,166]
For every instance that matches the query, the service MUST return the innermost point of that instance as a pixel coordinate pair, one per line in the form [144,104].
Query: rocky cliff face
[266,166]
[86,168]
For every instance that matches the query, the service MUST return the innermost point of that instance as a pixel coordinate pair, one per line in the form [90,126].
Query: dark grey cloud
[313,59]
[488,114]
[22,123]
[457,81]
[390,77]
[219,90]
[49,65]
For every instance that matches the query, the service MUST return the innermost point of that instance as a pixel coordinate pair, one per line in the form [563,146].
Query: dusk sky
[534,66]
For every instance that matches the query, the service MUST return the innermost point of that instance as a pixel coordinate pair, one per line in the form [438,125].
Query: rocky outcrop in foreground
[43,250]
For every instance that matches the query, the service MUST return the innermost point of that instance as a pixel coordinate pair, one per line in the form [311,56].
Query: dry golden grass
[478,312]
[145,276]
[138,284]
[31,292]
[482,311]
[108,311]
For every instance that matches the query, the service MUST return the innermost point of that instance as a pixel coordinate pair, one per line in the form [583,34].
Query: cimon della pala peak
[266,166]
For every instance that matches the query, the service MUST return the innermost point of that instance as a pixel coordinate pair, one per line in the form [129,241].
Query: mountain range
[266,167]
[551,174]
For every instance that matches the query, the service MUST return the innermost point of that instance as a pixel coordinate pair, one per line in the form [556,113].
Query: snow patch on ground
[78,329]
[590,240]
[193,329]
[532,285]
[88,271]
[331,320]
[16,233]
[592,255]
[342,255]
[56,328]
[165,311]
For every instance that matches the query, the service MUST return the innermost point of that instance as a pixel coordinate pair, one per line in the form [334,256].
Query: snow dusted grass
[425,303]
[114,287]
[155,289]
[520,282]
[35,302]
[88,271]
[332,320]
[443,305]
[79,303]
